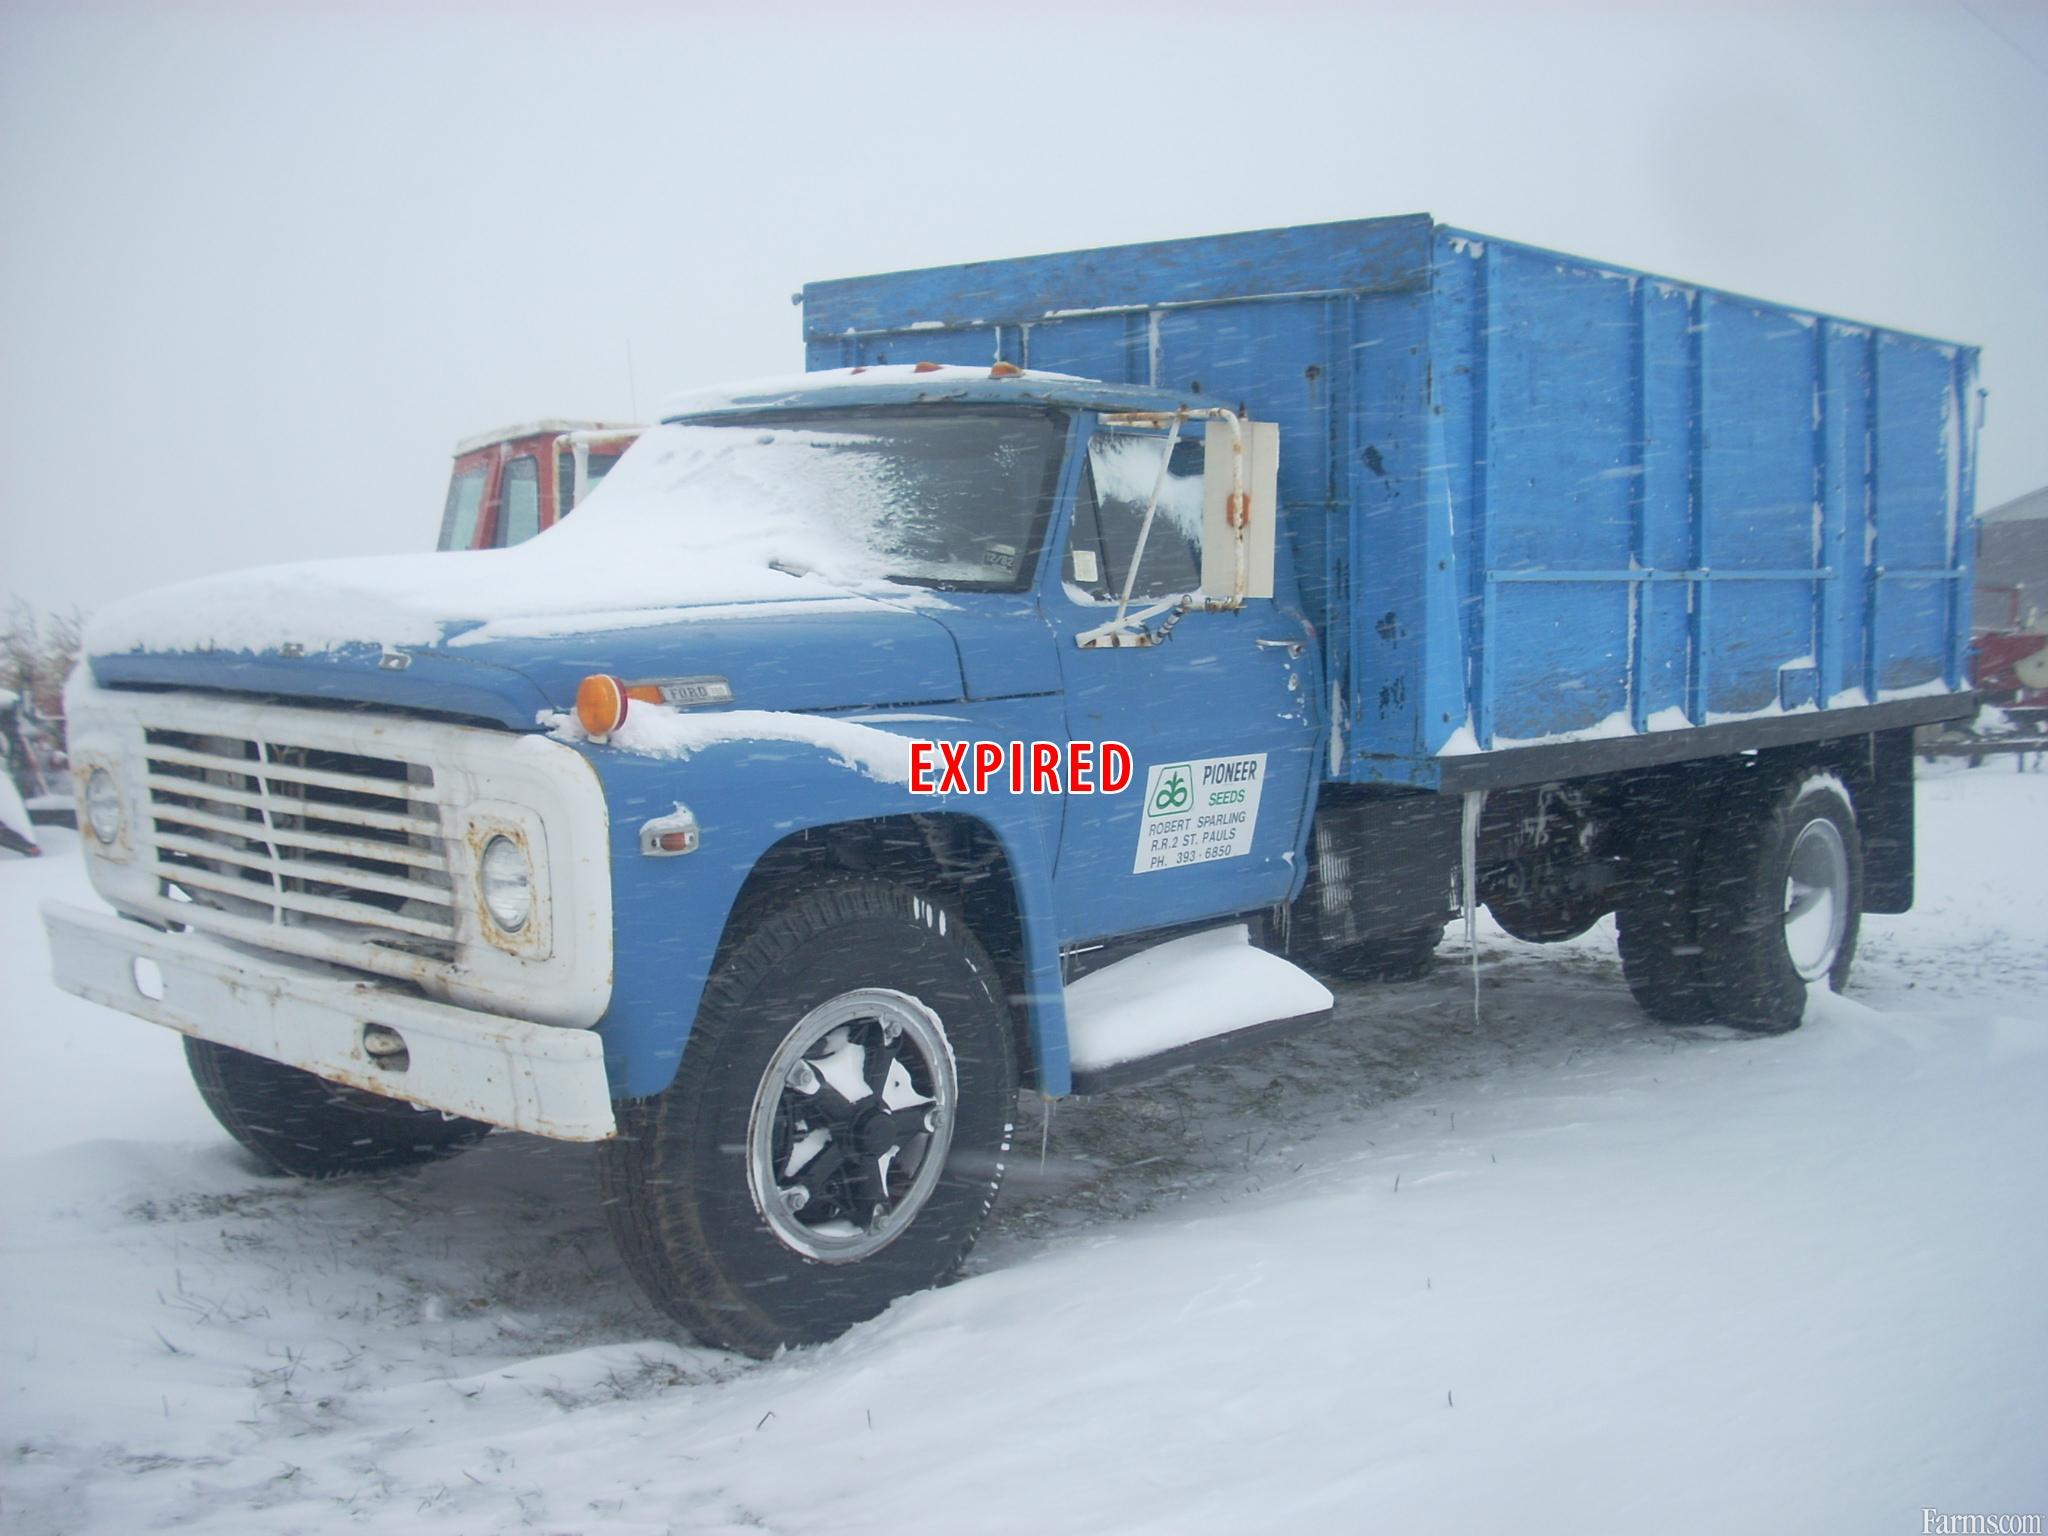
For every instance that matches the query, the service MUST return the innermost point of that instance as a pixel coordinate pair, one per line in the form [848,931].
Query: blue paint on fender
[748,796]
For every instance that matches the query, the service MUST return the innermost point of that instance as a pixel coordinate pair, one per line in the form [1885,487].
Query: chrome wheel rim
[1816,899]
[851,1123]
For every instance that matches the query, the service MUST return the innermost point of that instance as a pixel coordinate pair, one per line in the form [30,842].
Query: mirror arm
[1123,605]
[1113,636]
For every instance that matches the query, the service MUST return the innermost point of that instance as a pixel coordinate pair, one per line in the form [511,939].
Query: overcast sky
[261,265]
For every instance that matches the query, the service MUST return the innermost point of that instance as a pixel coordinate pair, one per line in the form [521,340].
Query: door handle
[1293,648]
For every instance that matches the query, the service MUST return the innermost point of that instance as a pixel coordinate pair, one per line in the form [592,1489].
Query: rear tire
[304,1125]
[1657,924]
[777,1193]
[1781,898]
[1660,956]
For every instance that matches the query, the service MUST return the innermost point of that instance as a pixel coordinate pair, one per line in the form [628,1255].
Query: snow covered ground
[1558,1269]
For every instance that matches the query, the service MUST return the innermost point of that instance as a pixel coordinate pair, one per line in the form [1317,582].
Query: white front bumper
[523,1076]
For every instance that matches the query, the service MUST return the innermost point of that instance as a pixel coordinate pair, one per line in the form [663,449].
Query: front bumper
[523,1076]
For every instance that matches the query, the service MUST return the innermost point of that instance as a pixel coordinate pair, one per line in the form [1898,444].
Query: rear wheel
[1660,956]
[1657,923]
[304,1125]
[835,1135]
[1781,898]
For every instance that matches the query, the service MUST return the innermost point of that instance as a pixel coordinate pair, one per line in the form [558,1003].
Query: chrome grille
[301,836]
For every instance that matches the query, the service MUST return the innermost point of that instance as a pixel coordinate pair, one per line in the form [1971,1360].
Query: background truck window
[1110,507]
[519,509]
[465,502]
[597,467]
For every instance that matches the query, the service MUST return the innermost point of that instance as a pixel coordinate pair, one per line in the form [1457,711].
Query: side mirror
[1237,546]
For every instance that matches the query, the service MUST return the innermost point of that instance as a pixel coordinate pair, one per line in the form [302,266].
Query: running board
[1181,1002]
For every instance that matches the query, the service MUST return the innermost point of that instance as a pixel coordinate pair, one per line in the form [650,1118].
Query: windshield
[934,496]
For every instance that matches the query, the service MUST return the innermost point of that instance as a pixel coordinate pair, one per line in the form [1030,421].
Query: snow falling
[1559,1269]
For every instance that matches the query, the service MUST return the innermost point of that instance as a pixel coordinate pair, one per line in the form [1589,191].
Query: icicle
[1468,884]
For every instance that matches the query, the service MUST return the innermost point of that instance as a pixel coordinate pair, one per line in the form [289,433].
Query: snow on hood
[691,515]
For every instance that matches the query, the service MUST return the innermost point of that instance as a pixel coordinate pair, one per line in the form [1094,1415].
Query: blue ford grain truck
[1088,659]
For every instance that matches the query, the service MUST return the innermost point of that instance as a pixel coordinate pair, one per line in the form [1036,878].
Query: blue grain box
[1531,498]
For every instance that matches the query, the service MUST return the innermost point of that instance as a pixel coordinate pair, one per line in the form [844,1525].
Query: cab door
[1220,717]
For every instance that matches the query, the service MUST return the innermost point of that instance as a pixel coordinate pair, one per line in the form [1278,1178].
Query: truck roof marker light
[926,367]
[1005,371]
[601,704]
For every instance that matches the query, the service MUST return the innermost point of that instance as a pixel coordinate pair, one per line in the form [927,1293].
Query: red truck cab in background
[510,484]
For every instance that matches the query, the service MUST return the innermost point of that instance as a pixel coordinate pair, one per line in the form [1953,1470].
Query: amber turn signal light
[601,703]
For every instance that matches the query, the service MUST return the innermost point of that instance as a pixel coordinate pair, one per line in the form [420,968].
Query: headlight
[506,882]
[103,806]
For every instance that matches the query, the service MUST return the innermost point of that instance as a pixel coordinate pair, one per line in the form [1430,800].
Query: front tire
[836,1132]
[305,1126]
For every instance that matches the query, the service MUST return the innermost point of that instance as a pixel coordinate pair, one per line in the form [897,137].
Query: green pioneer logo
[1176,788]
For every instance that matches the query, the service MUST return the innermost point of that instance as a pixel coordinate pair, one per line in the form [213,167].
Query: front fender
[748,795]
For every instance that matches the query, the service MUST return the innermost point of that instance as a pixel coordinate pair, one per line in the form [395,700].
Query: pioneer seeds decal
[1198,811]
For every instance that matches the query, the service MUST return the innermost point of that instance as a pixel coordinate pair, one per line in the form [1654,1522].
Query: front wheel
[304,1125]
[836,1133]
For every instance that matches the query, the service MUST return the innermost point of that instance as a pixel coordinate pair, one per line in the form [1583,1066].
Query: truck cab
[964,672]
[510,484]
